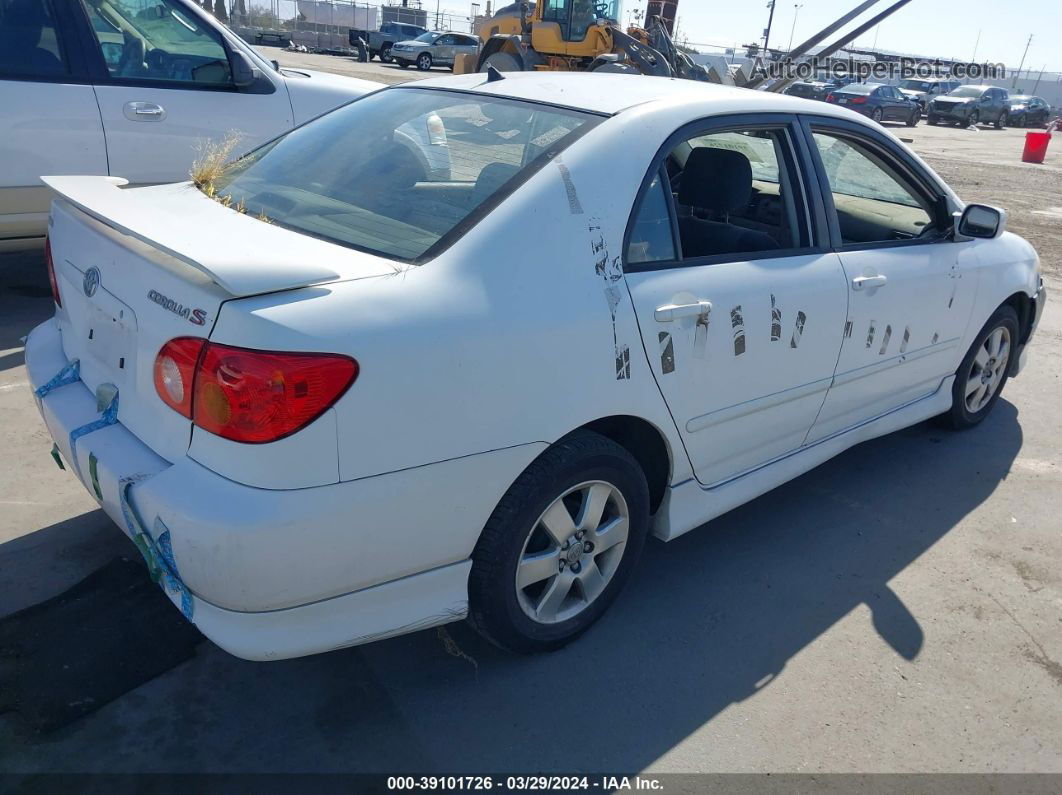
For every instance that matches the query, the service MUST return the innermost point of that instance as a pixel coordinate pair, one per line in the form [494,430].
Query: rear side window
[29,45]
[402,172]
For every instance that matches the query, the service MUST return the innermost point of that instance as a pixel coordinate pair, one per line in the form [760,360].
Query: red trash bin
[1036,147]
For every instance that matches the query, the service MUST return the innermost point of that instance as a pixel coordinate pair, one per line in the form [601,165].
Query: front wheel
[560,545]
[402,64]
[984,371]
[503,62]
[915,117]
[424,62]
[974,119]
[933,121]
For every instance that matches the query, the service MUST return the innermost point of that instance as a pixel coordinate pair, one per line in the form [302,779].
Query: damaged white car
[335,396]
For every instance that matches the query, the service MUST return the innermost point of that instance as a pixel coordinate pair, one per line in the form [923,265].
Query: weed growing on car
[215,160]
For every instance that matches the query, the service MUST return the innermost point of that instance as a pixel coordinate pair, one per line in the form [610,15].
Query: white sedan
[328,414]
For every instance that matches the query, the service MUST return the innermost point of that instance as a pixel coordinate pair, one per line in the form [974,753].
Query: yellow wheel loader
[580,35]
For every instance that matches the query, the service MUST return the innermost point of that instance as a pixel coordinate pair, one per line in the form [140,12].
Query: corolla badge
[91,282]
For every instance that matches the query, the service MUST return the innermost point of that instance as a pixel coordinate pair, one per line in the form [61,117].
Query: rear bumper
[269,574]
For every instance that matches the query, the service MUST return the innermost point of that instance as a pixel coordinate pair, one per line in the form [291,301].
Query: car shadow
[707,621]
[25,301]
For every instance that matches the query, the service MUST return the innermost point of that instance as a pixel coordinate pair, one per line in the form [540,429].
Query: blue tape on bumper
[109,417]
[68,375]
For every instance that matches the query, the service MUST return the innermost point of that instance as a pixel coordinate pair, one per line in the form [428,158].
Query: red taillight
[51,272]
[829,98]
[248,395]
[175,372]
[857,101]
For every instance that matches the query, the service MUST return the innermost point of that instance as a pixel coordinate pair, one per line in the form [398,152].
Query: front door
[741,316]
[167,90]
[910,290]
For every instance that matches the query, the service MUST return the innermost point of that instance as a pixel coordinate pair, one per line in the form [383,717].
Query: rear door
[910,291]
[49,121]
[442,51]
[741,311]
[165,89]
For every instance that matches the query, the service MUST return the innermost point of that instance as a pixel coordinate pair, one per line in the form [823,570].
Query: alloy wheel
[572,552]
[988,370]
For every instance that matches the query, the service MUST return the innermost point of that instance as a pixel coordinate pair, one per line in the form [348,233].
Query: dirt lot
[897,609]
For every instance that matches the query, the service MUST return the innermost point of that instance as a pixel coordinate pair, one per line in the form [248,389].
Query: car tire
[385,54]
[933,121]
[424,62]
[983,369]
[551,611]
[915,117]
[373,54]
[974,119]
[876,115]
[1001,122]
[402,64]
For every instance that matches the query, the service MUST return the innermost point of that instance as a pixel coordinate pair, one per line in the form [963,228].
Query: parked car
[377,411]
[131,88]
[924,90]
[880,103]
[971,105]
[434,49]
[807,89]
[380,42]
[1026,111]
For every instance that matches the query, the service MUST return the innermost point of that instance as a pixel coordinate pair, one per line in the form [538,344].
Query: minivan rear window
[402,172]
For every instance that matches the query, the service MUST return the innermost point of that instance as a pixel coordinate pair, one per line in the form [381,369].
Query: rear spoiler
[240,253]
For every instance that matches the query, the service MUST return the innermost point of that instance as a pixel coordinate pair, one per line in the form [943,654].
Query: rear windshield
[402,172]
[857,88]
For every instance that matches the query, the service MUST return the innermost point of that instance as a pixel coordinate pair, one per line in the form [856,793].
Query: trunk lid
[138,267]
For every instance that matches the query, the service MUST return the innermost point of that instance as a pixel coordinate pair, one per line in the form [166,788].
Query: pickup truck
[380,41]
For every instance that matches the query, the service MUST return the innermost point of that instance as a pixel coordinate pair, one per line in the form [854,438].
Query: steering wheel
[158,62]
[601,10]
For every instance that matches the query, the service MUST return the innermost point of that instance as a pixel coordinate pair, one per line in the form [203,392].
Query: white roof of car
[613,92]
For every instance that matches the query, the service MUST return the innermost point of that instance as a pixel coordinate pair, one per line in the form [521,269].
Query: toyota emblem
[92,281]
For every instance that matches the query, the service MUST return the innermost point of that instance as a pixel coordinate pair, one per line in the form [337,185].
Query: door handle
[143,111]
[862,282]
[669,312]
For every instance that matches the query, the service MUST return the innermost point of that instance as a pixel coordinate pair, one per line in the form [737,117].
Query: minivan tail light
[50,265]
[249,395]
[261,396]
[175,372]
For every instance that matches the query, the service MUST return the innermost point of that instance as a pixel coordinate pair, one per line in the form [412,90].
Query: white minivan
[131,88]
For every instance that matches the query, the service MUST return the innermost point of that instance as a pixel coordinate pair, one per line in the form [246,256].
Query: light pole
[976,45]
[1018,73]
[767,32]
[796,13]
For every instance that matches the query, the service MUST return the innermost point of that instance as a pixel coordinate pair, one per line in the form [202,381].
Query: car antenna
[493,74]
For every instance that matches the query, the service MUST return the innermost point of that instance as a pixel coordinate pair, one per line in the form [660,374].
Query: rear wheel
[915,117]
[424,61]
[984,371]
[385,54]
[560,545]
[876,115]
[402,63]
[1001,122]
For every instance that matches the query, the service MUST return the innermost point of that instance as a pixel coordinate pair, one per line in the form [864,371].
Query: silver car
[434,49]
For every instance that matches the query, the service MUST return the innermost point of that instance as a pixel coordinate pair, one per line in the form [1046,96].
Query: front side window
[395,172]
[874,201]
[29,45]
[158,40]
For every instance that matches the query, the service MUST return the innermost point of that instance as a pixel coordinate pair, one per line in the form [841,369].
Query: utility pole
[767,32]
[977,44]
[1038,79]
[1018,73]
[796,13]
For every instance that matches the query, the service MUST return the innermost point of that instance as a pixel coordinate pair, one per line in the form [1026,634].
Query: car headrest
[492,177]
[23,23]
[716,179]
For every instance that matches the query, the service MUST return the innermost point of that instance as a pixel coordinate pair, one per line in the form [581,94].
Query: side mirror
[979,221]
[244,72]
